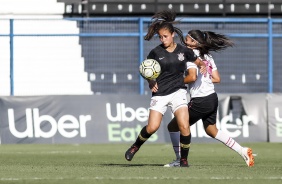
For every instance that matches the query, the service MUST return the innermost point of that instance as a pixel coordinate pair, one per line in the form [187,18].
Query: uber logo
[279,123]
[279,129]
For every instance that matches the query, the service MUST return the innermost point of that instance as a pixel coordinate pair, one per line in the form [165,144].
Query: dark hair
[164,20]
[210,41]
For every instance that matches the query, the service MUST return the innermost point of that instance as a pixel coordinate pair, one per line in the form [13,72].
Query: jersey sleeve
[190,55]
[197,52]
[191,65]
[151,55]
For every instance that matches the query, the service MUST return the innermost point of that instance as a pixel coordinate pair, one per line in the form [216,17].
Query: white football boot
[247,155]
[174,163]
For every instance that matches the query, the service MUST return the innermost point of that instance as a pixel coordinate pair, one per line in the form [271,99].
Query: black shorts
[204,108]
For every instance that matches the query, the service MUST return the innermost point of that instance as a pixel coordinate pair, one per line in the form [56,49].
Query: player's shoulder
[158,48]
[187,50]
[197,52]
[155,51]
[209,58]
[182,47]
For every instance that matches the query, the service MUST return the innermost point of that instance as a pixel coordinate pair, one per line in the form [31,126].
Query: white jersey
[203,86]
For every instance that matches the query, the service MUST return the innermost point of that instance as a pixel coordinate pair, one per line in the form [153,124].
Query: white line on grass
[145,178]
[47,152]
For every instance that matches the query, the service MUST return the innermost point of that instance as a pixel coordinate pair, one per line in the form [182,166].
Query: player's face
[191,43]
[166,37]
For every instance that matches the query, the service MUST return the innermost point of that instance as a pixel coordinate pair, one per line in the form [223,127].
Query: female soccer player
[169,88]
[204,102]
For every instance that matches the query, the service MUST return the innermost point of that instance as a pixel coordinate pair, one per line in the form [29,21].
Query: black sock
[185,145]
[142,137]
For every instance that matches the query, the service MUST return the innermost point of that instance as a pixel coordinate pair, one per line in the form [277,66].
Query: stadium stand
[80,65]
[111,68]
[4,59]
[42,66]
[182,7]
[31,7]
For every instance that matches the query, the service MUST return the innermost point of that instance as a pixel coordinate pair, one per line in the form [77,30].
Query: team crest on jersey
[181,56]
[153,102]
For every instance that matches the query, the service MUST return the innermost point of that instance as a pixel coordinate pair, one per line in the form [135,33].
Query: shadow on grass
[132,165]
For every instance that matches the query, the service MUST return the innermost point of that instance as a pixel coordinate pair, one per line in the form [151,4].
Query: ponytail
[210,41]
[164,20]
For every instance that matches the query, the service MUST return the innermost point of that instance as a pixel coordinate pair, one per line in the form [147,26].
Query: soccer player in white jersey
[204,101]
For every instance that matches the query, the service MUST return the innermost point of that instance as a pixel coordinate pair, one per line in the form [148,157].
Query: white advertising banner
[118,119]
[241,116]
[275,117]
[74,119]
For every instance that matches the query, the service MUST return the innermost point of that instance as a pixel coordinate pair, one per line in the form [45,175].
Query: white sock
[175,140]
[228,141]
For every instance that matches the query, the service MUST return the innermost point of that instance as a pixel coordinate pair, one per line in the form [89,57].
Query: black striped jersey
[173,67]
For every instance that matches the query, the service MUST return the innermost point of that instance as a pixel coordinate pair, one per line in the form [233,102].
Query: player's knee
[210,134]
[211,130]
[172,126]
[183,127]
[152,129]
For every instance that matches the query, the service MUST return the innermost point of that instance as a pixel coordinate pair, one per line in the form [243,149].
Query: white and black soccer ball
[150,69]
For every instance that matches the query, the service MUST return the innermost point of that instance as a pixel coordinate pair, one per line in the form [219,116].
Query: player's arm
[215,76]
[191,76]
[198,61]
[153,85]
[201,65]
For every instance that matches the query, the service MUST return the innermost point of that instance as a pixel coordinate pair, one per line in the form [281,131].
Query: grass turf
[209,163]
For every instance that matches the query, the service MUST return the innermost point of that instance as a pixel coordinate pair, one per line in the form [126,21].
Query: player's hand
[208,68]
[202,66]
[203,69]
[153,85]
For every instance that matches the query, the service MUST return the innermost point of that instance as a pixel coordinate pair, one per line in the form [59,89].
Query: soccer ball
[150,69]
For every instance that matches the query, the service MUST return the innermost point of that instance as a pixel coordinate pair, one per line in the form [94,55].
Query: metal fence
[112,49]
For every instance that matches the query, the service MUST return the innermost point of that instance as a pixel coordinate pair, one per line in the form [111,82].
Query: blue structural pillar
[141,53]
[270,56]
[12,57]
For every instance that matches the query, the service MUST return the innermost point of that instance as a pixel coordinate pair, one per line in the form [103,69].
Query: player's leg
[174,133]
[154,122]
[211,130]
[180,110]
[181,116]
[219,135]
[175,141]
[158,107]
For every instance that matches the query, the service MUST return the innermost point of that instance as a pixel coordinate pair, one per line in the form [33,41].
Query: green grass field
[209,163]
